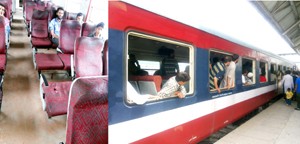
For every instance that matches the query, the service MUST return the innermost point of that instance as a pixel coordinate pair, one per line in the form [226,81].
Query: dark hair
[235,57]
[79,14]
[245,71]
[227,59]
[182,76]
[289,89]
[288,72]
[60,8]
[101,24]
[2,5]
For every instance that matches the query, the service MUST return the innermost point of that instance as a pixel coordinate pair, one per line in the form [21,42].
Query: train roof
[214,32]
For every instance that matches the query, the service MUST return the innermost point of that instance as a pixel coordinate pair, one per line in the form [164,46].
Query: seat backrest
[147,84]
[105,58]
[71,16]
[2,36]
[87,29]
[39,24]
[87,56]
[69,31]
[87,116]
[30,5]
[40,5]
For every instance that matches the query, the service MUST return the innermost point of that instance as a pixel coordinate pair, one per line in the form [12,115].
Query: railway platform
[278,124]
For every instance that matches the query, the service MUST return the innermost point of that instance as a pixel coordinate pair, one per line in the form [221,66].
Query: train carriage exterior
[202,112]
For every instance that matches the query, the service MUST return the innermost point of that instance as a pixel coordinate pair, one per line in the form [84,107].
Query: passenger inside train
[79,18]
[6,23]
[158,62]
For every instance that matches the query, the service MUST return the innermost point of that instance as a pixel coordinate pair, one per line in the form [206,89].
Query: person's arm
[181,93]
[216,84]
[51,28]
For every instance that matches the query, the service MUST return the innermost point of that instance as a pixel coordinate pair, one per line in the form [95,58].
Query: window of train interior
[151,62]
[217,68]
[248,71]
[263,72]
[273,70]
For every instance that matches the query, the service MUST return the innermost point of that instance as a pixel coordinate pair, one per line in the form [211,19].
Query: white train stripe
[133,130]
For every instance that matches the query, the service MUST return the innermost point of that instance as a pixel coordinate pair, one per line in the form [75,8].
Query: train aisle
[22,120]
[278,124]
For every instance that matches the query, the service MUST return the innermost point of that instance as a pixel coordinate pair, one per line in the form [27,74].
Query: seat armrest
[44,80]
[59,50]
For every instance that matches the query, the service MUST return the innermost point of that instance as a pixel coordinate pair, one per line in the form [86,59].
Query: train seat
[105,58]
[71,16]
[48,62]
[55,98]
[2,46]
[147,84]
[39,30]
[87,62]
[70,30]
[30,5]
[40,5]
[87,119]
[87,29]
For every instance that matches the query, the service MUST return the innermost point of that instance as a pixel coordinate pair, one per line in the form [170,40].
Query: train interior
[52,96]
[147,77]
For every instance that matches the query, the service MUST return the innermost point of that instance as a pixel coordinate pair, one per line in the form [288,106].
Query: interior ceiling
[285,17]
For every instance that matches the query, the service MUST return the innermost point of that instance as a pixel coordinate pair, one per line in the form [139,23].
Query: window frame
[274,70]
[209,56]
[253,70]
[165,40]
[266,69]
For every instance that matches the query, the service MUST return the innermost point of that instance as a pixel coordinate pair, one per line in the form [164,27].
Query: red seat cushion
[56,97]
[48,62]
[41,42]
[66,60]
[2,62]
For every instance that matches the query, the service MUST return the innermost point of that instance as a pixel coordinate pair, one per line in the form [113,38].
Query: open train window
[152,64]
[248,72]
[273,70]
[220,77]
[263,72]
[279,67]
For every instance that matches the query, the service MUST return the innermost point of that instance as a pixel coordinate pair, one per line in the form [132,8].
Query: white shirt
[229,73]
[287,82]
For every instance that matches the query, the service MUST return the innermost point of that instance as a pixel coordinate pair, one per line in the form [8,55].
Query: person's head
[99,28]
[227,60]
[289,89]
[132,56]
[79,17]
[60,13]
[182,78]
[250,75]
[235,58]
[2,10]
[215,60]
[171,53]
[288,72]
[245,72]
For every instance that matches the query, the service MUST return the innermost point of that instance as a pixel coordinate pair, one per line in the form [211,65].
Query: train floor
[278,124]
[22,120]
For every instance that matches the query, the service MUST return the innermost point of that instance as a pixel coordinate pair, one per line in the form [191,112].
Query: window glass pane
[273,72]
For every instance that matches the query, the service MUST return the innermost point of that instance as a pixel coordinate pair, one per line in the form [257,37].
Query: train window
[218,74]
[152,61]
[279,67]
[273,72]
[248,72]
[263,72]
